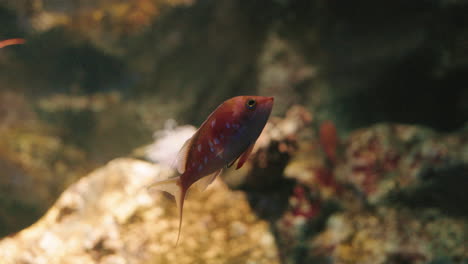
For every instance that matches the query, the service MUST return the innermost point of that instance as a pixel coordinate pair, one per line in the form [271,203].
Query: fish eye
[251,103]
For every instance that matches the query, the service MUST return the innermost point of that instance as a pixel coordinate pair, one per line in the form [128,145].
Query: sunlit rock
[389,235]
[393,195]
[110,216]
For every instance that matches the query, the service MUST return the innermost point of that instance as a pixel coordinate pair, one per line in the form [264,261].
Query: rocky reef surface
[334,182]
[110,216]
[386,194]
[95,79]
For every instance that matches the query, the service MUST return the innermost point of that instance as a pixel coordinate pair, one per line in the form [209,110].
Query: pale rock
[111,217]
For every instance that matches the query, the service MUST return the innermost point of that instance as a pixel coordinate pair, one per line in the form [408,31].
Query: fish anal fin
[204,182]
[180,205]
[170,186]
[182,155]
[243,158]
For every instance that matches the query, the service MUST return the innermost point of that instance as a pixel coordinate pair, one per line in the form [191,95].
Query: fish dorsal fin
[243,158]
[203,183]
[182,156]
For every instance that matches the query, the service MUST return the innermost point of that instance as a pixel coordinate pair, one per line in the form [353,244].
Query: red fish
[227,135]
[9,42]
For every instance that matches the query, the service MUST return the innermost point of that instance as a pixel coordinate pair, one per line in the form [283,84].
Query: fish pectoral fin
[204,182]
[243,158]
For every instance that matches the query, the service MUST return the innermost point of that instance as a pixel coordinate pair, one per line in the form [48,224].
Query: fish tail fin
[174,188]
[180,204]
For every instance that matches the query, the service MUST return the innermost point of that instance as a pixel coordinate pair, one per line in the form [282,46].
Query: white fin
[181,159]
[170,186]
[203,183]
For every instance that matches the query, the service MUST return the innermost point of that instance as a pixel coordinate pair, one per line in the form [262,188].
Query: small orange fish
[9,42]
[227,135]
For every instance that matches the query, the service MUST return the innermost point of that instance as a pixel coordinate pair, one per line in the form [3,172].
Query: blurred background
[95,79]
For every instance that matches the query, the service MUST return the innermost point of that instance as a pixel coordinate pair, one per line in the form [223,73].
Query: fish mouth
[269,102]
[265,105]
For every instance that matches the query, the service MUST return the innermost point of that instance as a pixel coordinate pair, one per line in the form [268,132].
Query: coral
[64,102]
[391,236]
[359,199]
[48,143]
[394,194]
[114,18]
[283,72]
[110,216]
[385,158]
[394,186]
[15,110]
[36,162]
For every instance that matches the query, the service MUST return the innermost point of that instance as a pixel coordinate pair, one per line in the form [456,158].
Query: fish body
[9,42]
[228,134]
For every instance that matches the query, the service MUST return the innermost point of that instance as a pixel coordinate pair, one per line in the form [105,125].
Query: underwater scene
[233,132]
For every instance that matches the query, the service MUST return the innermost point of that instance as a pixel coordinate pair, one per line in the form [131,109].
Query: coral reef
[93,19]
[387,158]
[393,195]
[385,194]
[391,235]
[378,196]
[33,161]
[95,79]
[110,216]
[47,144]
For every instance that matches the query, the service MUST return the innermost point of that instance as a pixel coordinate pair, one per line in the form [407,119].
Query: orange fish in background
[329,139]
[9,42]
[227,135]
